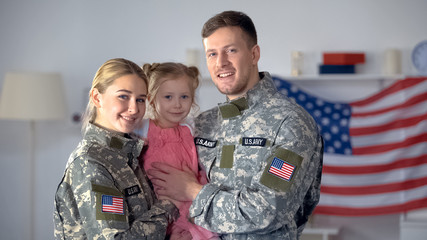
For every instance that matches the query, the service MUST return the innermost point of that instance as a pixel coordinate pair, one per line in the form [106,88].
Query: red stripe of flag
[391,146]
[396,87]
[400,123]
[375,189]
[370,169]
[371,211]
[410,102]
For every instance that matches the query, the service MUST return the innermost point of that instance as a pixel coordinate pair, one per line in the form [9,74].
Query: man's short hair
[231,19]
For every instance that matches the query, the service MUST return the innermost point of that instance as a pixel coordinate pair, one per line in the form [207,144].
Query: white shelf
[342,77]
[324,232]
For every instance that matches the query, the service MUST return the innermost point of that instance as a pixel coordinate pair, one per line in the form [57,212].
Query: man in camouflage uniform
[262,153]
[105,195]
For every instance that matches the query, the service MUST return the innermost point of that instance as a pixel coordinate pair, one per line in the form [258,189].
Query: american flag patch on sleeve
[111,204]
[281,169]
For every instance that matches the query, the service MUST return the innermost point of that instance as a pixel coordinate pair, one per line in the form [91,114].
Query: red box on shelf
[343,58]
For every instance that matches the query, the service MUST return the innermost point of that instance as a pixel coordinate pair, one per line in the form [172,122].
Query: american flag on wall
[375,159]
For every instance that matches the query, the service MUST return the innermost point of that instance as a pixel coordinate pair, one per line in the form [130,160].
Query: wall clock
[419,57]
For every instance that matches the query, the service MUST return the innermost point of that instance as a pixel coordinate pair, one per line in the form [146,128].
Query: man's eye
[211,55]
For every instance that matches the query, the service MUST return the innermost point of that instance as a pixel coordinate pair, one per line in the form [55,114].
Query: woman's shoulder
[84,167]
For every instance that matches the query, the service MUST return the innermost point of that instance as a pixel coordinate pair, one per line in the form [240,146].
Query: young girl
[103,193]
[171,93]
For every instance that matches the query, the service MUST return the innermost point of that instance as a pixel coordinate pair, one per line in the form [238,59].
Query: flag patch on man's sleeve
[111,204]
[281,169]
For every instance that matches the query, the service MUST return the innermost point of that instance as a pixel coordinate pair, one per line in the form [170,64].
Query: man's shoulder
[206,121]
[277,102]
[207,115]
[280,107]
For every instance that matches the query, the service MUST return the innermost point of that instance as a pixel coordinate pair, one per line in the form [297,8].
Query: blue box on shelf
[336,69]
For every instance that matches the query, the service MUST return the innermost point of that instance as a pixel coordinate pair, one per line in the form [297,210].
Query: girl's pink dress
[175,146]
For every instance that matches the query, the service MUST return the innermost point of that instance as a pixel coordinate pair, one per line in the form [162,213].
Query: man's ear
[95,97]
[256,53]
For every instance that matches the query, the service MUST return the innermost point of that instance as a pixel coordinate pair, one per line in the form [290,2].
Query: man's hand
[174,183]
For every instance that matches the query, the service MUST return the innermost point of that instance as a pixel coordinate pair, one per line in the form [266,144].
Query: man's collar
[233,108]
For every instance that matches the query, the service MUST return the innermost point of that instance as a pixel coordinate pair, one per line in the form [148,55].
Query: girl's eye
[185,96]
[168,96]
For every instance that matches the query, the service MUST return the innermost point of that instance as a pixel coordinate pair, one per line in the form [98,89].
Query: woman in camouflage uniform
[103,193]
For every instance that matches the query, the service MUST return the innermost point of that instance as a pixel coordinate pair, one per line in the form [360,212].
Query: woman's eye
[140,100]
[124,97]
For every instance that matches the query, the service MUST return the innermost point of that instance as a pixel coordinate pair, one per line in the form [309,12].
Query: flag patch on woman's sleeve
[112,204]
[281,169]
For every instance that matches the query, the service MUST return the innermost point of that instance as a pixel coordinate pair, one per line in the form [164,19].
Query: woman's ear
[95,97]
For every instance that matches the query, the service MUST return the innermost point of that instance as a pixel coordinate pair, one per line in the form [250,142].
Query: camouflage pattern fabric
[105,195]
[263,157]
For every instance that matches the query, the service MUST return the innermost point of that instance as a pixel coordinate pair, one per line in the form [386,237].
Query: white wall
[76,37]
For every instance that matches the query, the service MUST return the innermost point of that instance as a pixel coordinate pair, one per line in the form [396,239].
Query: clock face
[419,57]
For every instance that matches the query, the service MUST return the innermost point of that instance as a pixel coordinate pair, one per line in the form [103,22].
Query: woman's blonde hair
[104,77]
[158,73]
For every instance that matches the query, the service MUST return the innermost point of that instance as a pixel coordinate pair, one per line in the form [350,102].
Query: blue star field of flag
[333,119]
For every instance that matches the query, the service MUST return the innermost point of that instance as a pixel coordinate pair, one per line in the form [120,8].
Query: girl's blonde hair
[158,73]
[104,77]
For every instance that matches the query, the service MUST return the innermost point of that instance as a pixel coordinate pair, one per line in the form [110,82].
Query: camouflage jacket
[263,157]
[105,195]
